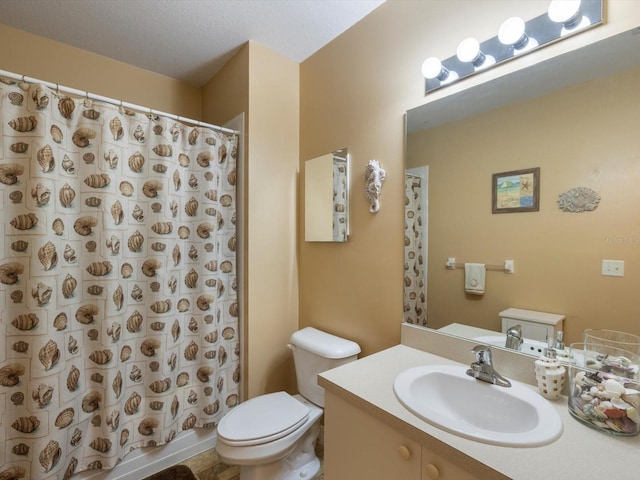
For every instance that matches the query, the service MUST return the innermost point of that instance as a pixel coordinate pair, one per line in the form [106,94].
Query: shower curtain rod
[113,101]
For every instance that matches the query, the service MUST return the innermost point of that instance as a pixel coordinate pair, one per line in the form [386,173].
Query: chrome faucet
[482,368]
[514,337]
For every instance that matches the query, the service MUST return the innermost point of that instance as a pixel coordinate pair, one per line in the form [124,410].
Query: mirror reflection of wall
[327,197]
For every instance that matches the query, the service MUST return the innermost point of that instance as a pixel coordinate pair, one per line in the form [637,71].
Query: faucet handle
[483,354]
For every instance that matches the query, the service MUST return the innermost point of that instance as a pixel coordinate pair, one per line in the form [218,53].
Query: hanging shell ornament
[86,314]
[41,195]
[82,137]
[97,180]
[68,165]
[136,162]
[151,188]
[56,133]
[163,150]
[69,285]
[135,241]
[66,194]
[66,106]
[41,293]
[49,355]
[48,256]
[117,213]
[9,173]
[24,124]
[115,126]
[111,158]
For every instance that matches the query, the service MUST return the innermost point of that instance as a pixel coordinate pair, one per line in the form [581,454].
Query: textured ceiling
[189,40]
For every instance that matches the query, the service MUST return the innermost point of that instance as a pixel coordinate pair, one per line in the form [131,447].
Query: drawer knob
[432,471]
[404,452]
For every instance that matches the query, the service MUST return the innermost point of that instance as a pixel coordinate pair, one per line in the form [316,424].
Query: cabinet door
[435,467]
[357,446]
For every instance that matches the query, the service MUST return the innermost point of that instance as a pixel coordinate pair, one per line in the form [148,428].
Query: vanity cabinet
[359,446]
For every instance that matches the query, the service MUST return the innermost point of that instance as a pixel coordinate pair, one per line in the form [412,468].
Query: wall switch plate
[613,268]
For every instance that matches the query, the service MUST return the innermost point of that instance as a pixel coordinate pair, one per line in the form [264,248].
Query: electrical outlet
[613,268]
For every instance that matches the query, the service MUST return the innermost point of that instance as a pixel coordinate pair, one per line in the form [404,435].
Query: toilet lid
[262,419]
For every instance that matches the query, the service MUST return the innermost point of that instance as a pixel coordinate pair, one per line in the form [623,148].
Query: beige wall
[354,93]
[583,136]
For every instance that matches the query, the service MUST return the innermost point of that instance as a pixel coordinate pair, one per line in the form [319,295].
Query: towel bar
[508,266]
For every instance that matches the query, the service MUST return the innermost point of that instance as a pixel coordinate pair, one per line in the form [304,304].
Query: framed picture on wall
[517,191]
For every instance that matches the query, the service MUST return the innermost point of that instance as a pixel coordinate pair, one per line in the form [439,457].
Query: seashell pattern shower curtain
[118,292]
[414,269]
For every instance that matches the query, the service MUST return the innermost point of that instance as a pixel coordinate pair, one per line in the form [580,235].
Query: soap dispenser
[550,373]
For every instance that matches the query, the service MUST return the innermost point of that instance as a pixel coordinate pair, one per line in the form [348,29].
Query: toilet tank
[315,352]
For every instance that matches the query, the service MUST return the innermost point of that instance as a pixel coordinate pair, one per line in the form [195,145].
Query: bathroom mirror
[326,202]
[568,116]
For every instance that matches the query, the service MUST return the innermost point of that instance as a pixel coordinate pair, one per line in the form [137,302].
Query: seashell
[150,266]
[193,325]
[226,200]
[60,322]
[126,270]
[68,165]
[136,293]
[222,153]
[91,114]
[124,437]
[154,366]
[135,241]
[173,206]
[137,213]
[126,188]
[72,346]
[69,285]
[208,176]
[236,374]
[183,305]
[50,455]
[138,134]
[91,402]
[226,266]
[24,124]
[66,195]
[89,158]
[95,465]
[9,173]
[17,398]
[16,296]
[91,246]
[58,226]
[156,405]
[175,330]
[15,98]
[73,378]
[162,228]
[15,196]
[66,106]
[21,449]
[159,168]
[65,418]
[161,306]
[101,357]
[192,398]
[41,293]
[211,195]
[172,361]
[204,373]
[189,422]
[233,309]
[85,314]
[157,129]
[228,333]
[20,346]
[163,150]
[132,403]
[147,425]
[193,181]
[93,334]
[111,158]
[232,243]
[232,400]
[76,438]
[183,160]
[193,136]
[212,408]
[149,347]
[177,181]
[113,420]
[41,195]
[232,177]
[26,424]
[191,207]
[19,147]
[81,138]
[157,326]
[158,246]
[156,207]
[97,180]
[125,353]
[97,377]
[101,444]
[175,132]
[222,356]
[154,286]
[116,385]
[193,253]
[136,162]
[19,246]
[191,279]
[172,283]
[160,386]
[49,355]
[134,322]
[136,374]
[56,133]
[99,269]
[115,126]
[203,159]
[151,188]
[182,379]
[71,468]
[117,212]
[191,351]
[95,290]
[42,395]
[10,374]
[175,254]
[25,322]
[211,337]
[204,230]
[203,302]
[40,97]
[118,297]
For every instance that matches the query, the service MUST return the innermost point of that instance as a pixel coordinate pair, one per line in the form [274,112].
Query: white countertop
[580,453]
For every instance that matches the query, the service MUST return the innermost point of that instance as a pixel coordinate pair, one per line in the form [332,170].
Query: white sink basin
[534,347]
[446,397]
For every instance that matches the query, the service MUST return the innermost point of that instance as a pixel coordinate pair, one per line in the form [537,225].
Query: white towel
[474,278]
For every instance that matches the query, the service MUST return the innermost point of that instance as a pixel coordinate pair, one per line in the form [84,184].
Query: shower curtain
[118,291]
[414,269]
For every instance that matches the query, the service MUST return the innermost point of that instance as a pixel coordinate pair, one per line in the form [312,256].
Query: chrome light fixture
[515,38]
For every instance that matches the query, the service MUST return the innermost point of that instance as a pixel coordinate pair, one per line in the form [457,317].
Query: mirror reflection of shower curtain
[118,291]
[414,305]
[340,199]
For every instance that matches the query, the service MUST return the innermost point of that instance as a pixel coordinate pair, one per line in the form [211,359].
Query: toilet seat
[262,419]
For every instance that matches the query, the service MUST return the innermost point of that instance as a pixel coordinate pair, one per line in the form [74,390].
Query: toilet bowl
[273,436]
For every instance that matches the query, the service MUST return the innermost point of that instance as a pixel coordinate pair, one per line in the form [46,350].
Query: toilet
[273,436]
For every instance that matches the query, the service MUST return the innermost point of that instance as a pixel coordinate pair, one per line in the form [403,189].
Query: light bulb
[565,12]
[512,33]
[469,51]
[432,68]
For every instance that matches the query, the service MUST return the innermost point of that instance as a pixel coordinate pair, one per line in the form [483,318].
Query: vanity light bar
[515,38]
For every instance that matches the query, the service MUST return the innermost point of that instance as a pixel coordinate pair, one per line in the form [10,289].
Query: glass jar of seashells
[604,391]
